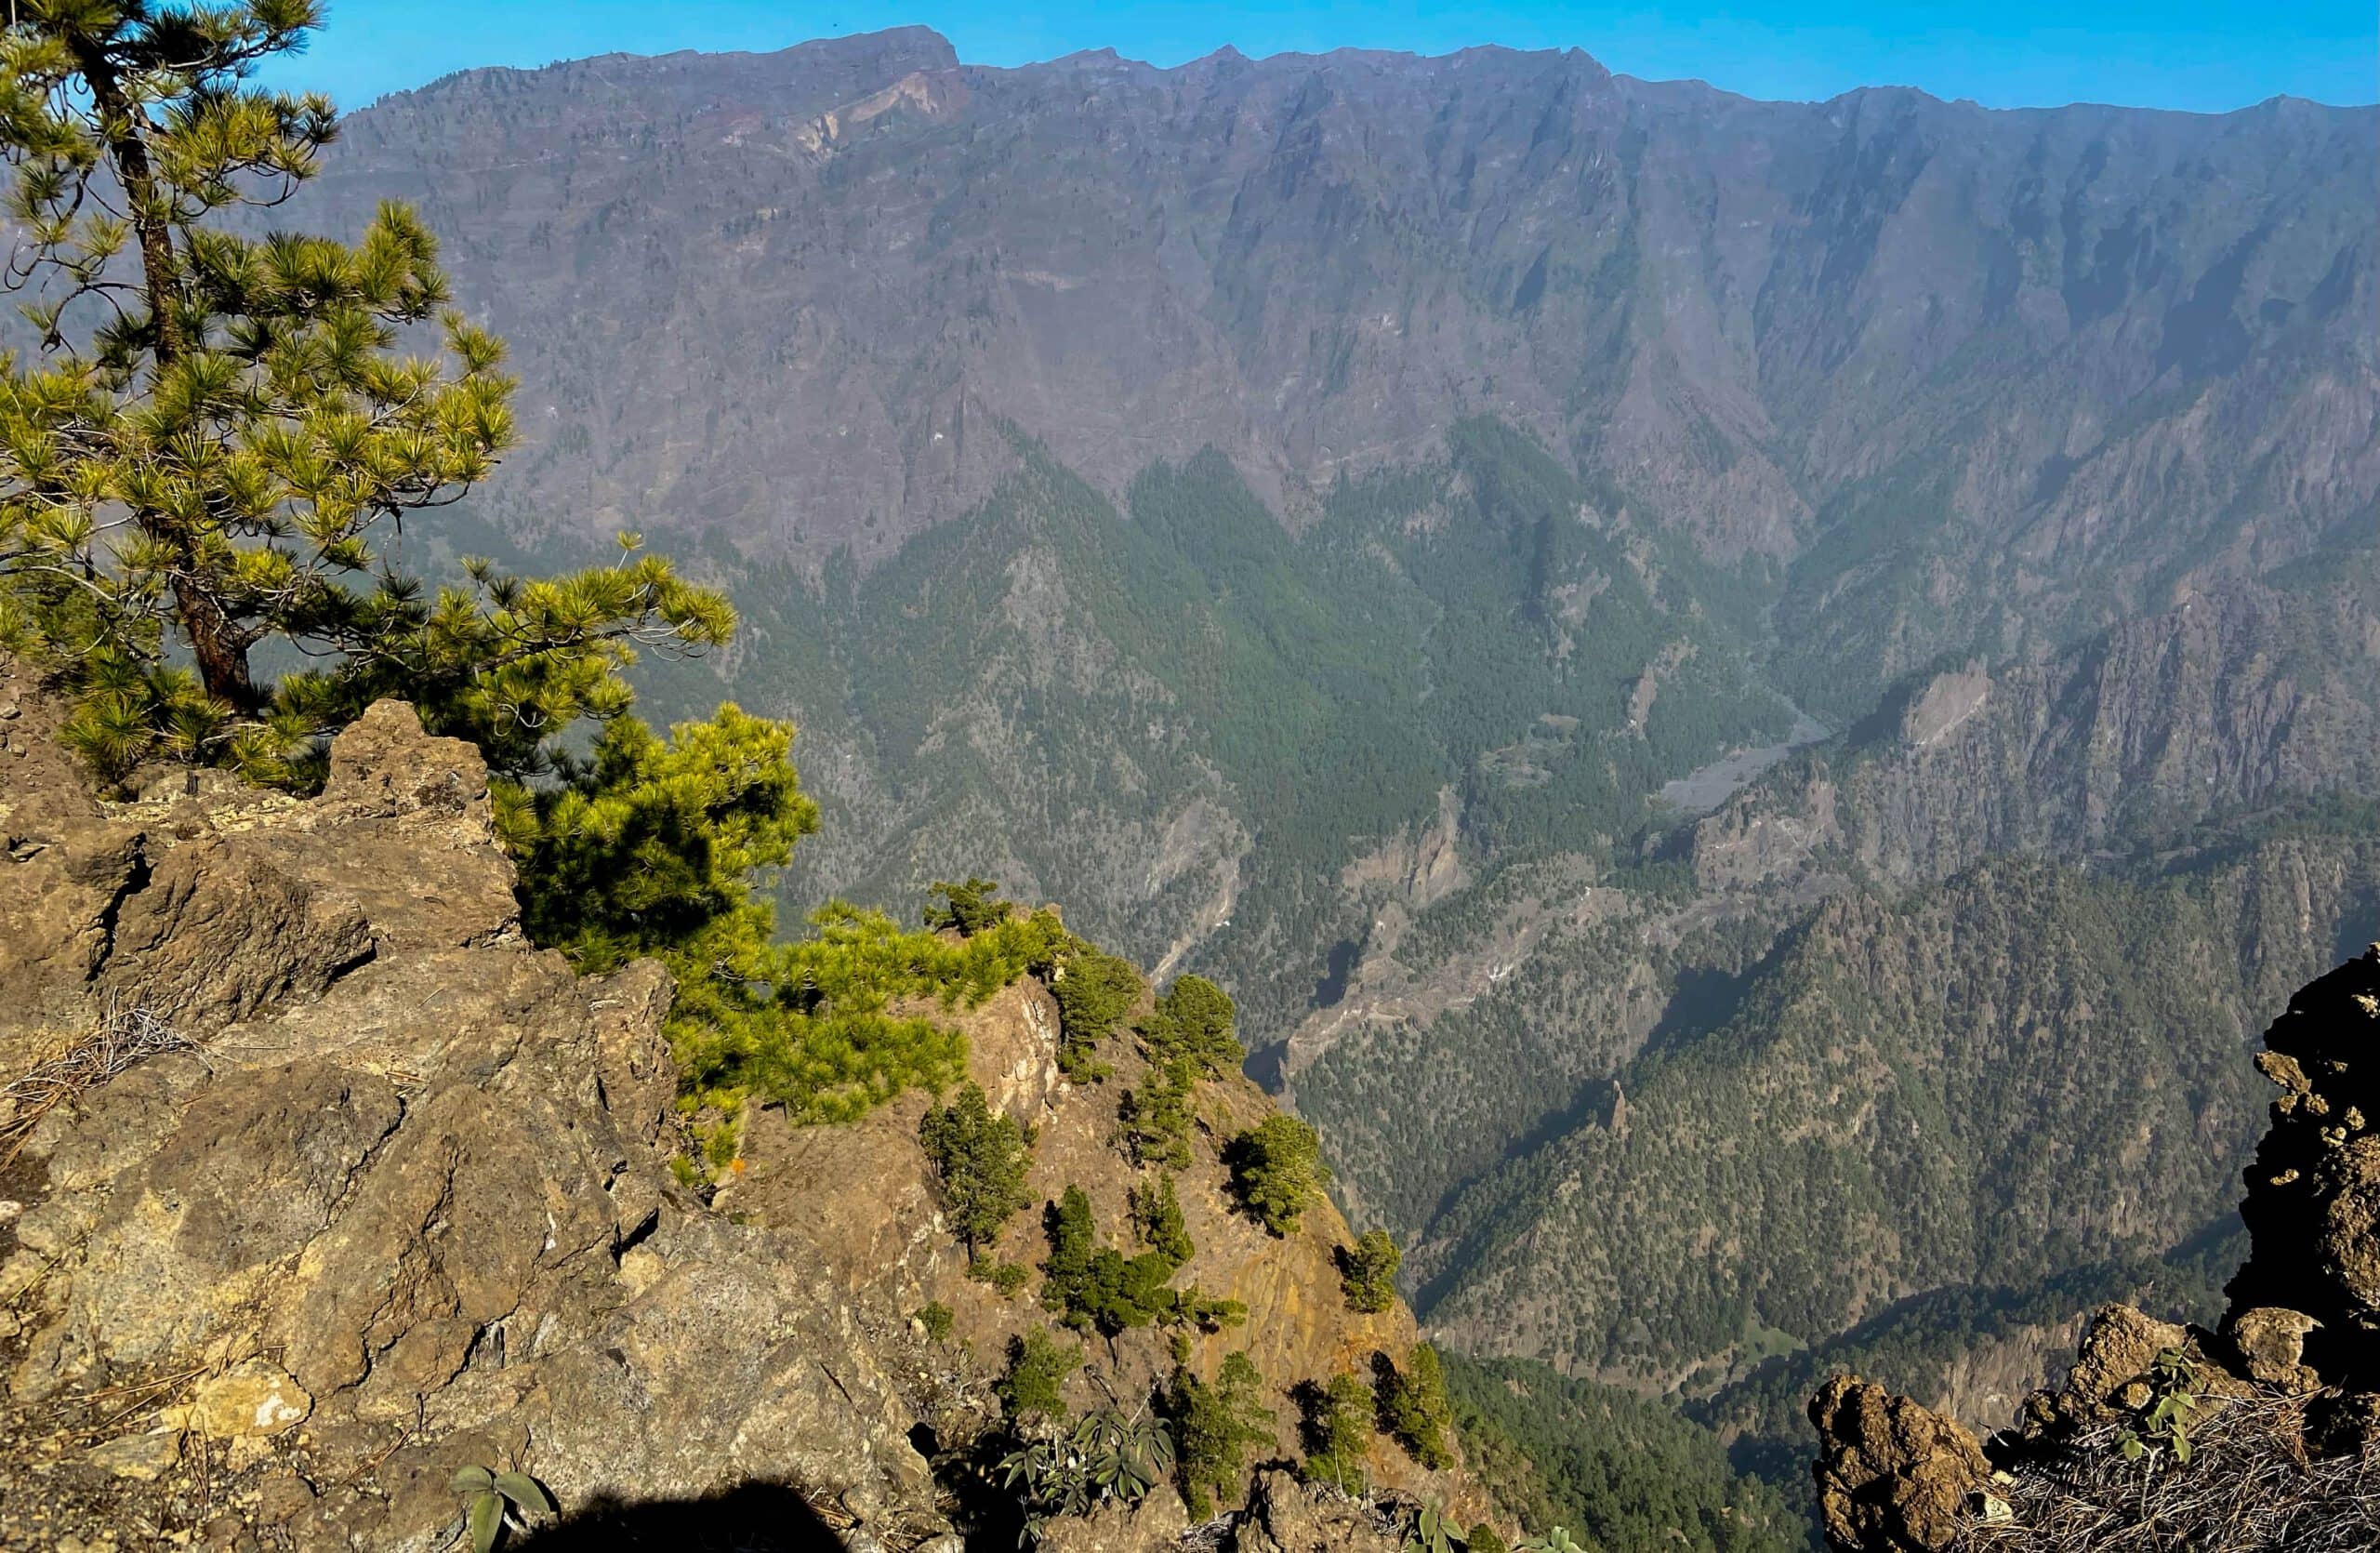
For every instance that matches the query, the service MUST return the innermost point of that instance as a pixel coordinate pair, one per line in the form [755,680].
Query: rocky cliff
[322,1185]
[2262,1433]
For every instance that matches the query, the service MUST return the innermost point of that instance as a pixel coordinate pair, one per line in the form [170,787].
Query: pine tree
[1157,1215]
[1368,1272]
[979,1157]
[1277,1168]
[221,440]
[1215,1428]
[1413,1404]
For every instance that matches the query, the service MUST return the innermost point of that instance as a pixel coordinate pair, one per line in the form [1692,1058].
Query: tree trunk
[215,643]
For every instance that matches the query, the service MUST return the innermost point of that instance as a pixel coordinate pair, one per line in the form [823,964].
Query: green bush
[1195,1021]
[1277,1168]
[979,1157]
[1098,1288]
[968,907]
[1154,1116]
[1031,1387]
[1156,1219]
[937,1321]
[1094,990]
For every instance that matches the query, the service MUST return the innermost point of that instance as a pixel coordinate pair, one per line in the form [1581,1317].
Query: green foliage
[1094,990]
[1431,1531]
[1484,1538]
[1556,1541]
[968,907]
[1970,1147]
[1625,1472]
[221,437]
[1031,1387]
[1194,1021]
[1215,1428]
[1277,1168]
[1009,1278]
[2160,1431]
[1105,1456]
[495,1502]
[1156,1219]
[1098,1288]
[936,1318]
[980,1159]
[1368,1272]
[1413,1406]
[1154,1118]
[1335,1426]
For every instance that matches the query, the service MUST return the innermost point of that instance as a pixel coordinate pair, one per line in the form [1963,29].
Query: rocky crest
[2290,1369]
[325,1184]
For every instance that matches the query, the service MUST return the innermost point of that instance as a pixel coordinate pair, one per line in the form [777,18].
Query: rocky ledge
[319,1183]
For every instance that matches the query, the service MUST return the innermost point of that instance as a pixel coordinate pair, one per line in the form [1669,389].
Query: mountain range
[1755,700]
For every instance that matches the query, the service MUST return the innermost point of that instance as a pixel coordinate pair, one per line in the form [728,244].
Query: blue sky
[2201,55]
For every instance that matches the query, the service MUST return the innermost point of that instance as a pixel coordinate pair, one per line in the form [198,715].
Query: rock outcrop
[2313,1200]
[323,1183]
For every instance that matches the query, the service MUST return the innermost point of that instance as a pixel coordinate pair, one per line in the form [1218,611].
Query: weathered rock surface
[1893,1476]
[394,1200]
[397,1208]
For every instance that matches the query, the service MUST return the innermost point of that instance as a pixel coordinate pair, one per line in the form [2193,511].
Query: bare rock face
[2313,1199]
[1286,1516]
[1893,1477]
[390,1204]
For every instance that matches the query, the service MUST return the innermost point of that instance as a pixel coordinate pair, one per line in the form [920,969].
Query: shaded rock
[1893,1477]
[2313,1199]
[220,929]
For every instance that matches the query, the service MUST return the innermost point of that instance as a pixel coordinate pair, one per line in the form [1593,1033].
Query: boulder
[1893,1476]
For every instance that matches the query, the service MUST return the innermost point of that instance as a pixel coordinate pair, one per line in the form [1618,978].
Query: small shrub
[1484,1538]
[1431,1531]
[1037,1367]
[937,1320]
[1277,1169]
[495,1501]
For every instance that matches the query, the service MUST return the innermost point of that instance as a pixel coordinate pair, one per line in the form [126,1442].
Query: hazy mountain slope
[1972,1085]
[2245,695]
[1977,375]
[1471,1024]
